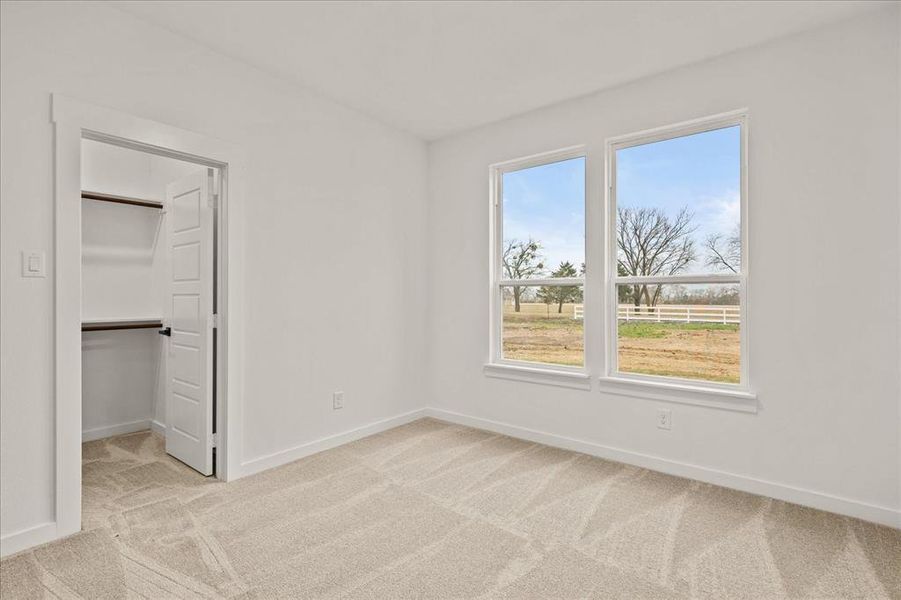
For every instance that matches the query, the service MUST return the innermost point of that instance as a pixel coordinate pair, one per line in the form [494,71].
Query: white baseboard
[844,506]
[277,459]
[98,433]
[26,538]
[158,427]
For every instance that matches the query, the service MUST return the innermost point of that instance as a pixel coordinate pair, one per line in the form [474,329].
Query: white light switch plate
[34,263]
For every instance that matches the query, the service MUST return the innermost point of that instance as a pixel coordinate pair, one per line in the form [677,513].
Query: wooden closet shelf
[121,199]
[121,324]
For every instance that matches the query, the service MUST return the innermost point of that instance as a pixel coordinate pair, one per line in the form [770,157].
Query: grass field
[708,351]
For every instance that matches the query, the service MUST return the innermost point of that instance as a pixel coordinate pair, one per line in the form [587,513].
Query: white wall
[824,154]
[120,384]
[334,235]
[124,266]
[124,258]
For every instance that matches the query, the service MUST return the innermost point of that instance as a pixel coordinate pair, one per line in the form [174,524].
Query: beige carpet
[433,510]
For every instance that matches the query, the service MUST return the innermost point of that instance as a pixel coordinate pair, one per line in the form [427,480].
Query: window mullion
[545,282]
[676,279]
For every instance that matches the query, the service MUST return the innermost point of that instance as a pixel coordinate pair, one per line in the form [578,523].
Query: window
[677,257]
[539,262]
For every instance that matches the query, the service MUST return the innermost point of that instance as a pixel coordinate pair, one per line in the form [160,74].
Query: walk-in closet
[148,296]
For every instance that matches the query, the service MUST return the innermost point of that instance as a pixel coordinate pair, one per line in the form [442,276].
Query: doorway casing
[73,121]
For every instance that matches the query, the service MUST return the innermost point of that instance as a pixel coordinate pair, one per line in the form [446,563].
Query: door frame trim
[74,120]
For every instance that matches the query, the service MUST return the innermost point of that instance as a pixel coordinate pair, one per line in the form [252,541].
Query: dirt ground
[537,335]
[696,351]
[711,354]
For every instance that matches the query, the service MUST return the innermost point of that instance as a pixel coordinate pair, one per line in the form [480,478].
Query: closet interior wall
[124,267]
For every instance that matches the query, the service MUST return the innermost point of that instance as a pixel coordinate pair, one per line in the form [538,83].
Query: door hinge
[214,440]
[215,321]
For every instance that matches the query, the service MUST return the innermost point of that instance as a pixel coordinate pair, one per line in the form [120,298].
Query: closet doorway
[149,299]
[147,270]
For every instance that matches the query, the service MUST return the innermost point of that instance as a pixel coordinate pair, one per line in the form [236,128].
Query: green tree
[560,294]
[625,293]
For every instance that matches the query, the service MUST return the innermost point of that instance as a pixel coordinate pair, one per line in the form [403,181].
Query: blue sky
[548,203]
[700,171]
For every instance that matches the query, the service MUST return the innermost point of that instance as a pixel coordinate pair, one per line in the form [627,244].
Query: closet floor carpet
[434,510]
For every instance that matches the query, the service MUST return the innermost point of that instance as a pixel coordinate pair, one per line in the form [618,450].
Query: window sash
[497,343]
[497,172]
[736,118]
[499,282]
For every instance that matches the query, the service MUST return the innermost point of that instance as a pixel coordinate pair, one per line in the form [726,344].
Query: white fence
[669,313]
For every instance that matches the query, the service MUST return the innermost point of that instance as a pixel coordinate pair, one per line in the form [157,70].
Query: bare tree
[724,252]
[652,243]
[522,259]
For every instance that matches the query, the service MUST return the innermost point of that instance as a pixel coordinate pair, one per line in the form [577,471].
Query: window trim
[658,386]
[496,363]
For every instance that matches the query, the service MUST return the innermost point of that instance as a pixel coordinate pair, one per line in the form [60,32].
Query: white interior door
[189,374]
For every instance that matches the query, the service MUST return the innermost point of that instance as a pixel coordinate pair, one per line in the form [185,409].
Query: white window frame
[658,387]
[497,365]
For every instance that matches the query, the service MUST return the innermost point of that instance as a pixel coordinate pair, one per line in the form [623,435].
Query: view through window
[677,211]
[541,266]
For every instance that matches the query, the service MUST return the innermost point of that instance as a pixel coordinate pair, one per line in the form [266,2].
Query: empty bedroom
[450,299]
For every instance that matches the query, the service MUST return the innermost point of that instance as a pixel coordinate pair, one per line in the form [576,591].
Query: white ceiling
[436,68]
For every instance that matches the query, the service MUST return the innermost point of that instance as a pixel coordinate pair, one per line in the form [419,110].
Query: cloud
[723,213]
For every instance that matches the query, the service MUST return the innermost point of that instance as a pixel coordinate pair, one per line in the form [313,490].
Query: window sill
[726,399]
[546,376]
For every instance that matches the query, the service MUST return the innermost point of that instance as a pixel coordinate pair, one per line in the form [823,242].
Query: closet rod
[114,325]
[120,199]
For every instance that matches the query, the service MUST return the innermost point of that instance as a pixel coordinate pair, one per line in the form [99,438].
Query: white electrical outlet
[665,418]
[338,400]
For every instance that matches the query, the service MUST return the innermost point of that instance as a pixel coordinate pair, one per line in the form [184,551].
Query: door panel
[185,312]
[184,418]
[186,365]
[186,211]
[186,261]
[189,386]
